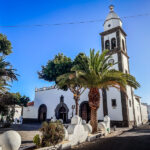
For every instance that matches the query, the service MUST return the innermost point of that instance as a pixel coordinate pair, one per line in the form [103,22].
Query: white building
[148,112]
[123,110]
[148,109]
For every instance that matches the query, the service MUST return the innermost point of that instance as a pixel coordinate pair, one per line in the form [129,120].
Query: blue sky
[34,46]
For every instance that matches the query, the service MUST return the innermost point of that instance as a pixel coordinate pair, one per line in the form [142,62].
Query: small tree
[37,140]
[59,71]
[52,133]
[71,82]
[8,102]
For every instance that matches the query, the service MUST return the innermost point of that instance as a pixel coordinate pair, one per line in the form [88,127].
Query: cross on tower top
[111,7]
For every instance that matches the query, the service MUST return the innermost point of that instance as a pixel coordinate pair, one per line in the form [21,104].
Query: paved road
[135,139]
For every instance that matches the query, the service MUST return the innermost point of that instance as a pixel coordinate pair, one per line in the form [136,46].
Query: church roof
[30,103]
[112,14]
[45,88]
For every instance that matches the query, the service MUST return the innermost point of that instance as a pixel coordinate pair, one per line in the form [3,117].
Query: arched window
[107,44]
[113,43]
[111,61]
[123,45]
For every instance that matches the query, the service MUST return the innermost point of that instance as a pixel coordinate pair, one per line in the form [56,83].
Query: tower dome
[112,20]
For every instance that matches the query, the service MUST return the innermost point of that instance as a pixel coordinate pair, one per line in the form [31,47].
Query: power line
[70,23]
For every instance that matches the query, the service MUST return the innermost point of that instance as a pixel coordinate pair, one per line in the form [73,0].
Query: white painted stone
[10,140]
[83,122]
[66,134]
[76,134]
[61,120]
[107,123]
[93,137]
[76,120]
[78,131]
[88,128]
[102,128]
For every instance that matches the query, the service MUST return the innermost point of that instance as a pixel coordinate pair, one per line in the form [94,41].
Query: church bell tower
[115,102]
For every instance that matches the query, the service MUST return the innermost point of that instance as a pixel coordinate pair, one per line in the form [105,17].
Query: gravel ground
[134,139]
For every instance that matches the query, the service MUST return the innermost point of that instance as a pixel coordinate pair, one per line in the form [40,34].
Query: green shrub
[52,133]
[37,140]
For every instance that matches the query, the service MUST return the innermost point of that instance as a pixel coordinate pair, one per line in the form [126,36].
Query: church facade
[123,110]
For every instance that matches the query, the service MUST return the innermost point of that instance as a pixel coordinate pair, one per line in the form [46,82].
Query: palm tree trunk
[77,106]
[94,121]
[94,102]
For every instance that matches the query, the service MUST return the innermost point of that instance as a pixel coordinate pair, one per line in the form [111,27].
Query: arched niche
[42,113]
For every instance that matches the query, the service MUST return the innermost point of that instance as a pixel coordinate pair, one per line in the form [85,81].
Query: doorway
[85,111]
[42,113]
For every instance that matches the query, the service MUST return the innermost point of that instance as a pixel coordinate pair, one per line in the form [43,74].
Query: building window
[114,103]
[113,43]
[123,45]
[130,103]
[109,25]
[107,44]
[111,61]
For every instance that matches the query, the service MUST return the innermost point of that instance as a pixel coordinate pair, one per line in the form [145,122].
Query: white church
[123,111]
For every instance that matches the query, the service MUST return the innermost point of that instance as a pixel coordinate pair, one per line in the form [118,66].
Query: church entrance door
[61,111]
[85,111]
[62,114]
[42,113]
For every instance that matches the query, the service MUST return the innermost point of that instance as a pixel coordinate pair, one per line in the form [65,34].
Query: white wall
[100,113]
[114,113]
[30,112]
[51,98]
[115,58]
[148,107]
[113,22]
[18,110]
[137,111]
[144,113]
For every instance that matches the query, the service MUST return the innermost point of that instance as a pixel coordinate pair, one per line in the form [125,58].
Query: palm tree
[5,45]
[7,74]
[97,74]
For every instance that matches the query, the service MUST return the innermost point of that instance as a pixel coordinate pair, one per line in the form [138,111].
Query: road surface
[135,139]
